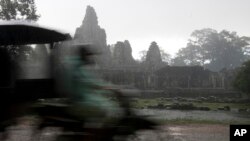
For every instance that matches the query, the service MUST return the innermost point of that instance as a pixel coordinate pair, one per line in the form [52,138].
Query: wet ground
[167,132]
[187,132]
[217,116]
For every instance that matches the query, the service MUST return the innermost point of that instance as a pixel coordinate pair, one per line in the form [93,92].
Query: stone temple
[117,65]
[91,33]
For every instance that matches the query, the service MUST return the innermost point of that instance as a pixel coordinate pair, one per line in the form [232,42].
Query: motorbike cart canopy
[20,33]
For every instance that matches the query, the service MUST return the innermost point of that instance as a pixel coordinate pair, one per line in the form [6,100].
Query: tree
[226,51]
[194,53]
[242,80]
[142,55]
[214,50]
[191,56]
[165,56]
[18,10]
[178,61]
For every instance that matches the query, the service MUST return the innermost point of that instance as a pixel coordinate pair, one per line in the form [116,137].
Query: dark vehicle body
[16,93]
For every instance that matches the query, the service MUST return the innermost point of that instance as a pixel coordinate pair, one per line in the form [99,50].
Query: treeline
[214,50]
[211,49]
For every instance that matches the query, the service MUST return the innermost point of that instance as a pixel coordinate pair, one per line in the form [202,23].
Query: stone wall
[165,78]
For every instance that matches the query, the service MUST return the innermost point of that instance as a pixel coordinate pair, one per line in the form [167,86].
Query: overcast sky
[168,22]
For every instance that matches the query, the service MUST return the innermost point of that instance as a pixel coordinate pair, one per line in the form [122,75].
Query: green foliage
[165,56]
[18,10]
[142,55]
[214,50]
[191,55]
[242,80]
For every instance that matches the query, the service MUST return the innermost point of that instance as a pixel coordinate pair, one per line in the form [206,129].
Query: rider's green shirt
[86,90]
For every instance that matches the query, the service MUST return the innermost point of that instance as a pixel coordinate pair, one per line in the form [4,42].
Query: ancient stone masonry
[187,77]
[228,77]
[91,33]
[167,77]
[153,58]
[122,55]
[119,67]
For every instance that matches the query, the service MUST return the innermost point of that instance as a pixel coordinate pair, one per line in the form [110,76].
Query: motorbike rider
[89,96]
